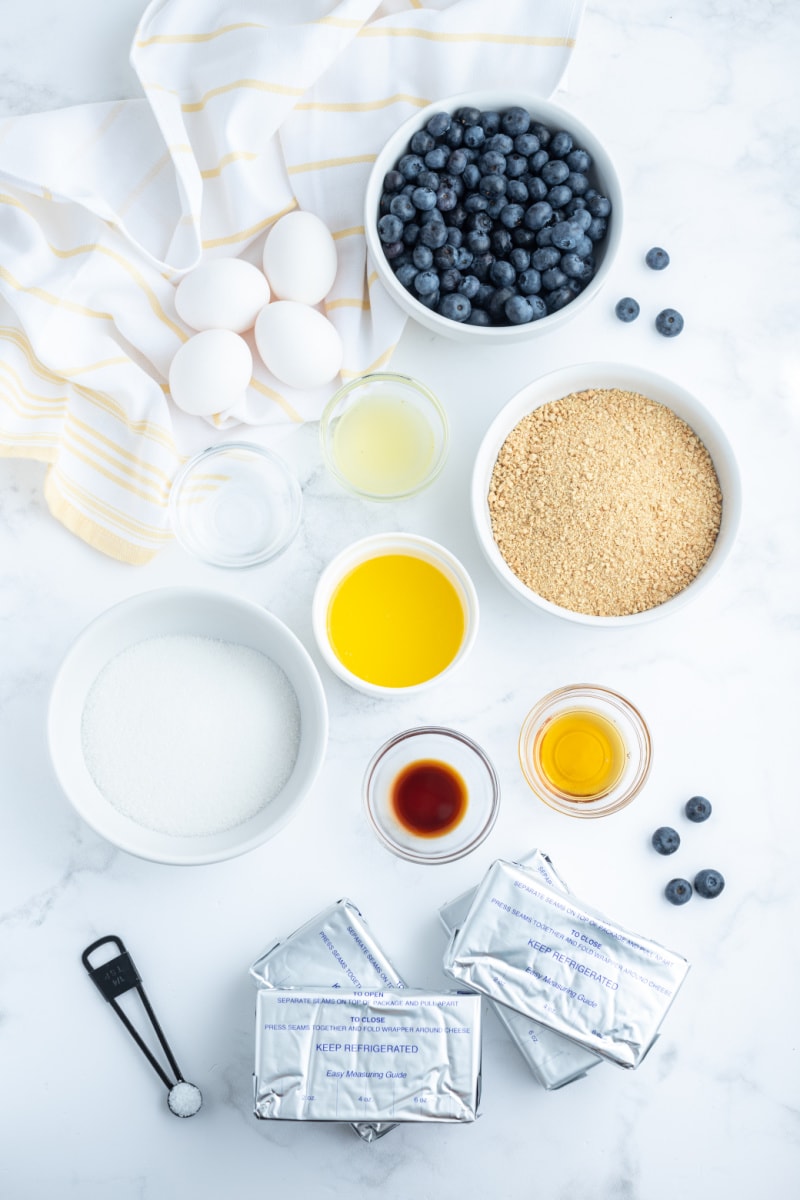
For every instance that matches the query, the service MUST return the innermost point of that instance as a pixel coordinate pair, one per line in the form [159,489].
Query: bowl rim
[545,110]
[209,454]
[577,377]
[181,596]
[450,734]
[372,546]
[352,385]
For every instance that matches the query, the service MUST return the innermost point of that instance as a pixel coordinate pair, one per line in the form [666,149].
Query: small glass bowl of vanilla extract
[585,750]
[431,795]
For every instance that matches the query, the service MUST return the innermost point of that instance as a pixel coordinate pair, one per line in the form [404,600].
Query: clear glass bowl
[446,748]
[235,505]
[384,436]
[628,723]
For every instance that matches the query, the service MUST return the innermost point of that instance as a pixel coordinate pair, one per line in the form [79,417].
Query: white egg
[298,344]
[210,372]
[225,293]
[300,258]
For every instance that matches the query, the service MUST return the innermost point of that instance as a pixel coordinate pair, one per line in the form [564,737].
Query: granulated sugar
[189,735]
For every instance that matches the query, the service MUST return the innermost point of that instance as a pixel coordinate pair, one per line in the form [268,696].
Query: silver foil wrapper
[334,949]
[545,954]
[387,1056]
[553,1059]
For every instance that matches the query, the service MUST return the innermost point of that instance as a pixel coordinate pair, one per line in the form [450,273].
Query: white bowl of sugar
[187,725]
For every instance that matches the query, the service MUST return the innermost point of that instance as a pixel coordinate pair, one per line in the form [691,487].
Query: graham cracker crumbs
[604,502]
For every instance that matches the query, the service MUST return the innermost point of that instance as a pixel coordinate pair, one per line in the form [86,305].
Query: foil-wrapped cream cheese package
[336,948]
[554,1060]
[323,1054]
[545,954]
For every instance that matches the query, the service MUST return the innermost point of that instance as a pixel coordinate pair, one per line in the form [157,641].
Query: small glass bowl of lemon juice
[585,750]
[384,436]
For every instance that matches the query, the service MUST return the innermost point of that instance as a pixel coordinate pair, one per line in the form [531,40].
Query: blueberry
[445,258]
[430,299]
[410,234]
[520,258]
[401,206]
[496,206]
[553,278]
[538,305]
[471,175]
[516,166]
[526,143]
[545,257]
[678,891]
[584,247]
[559,298]
[422,198]
[559,196]
[497,304]
[698,809]
[500,142]
[666,840]
[537,188]
[454,236]
[709,883]
[518,311]
[477,242]
[474,136]
[490,121]
[468,115]
[450,279]
[575,266]
[492,163]
[538,215]
[446,199]
[554,171]
[422,142]
[492,186]
[537,160]
[410,166]
[579,160]
[422,257]
[475,202]
[427,179]
[598,206]
[502,274]
[436,158]
[433,234]
[523,237]
[596,230]
[511,215]
[481,264]
[530,282]
[657,259]
[406,274]
[478,317]
[454,136]
[455,306]
[438,124]
[426,282]
[560,144]
[566,235]
[393,181]
[457,163]
[669,323]
[627,309]
[390,228]
[517,192]
[515,121]
[469,286]
[502,244]
[464,258]
[577,183]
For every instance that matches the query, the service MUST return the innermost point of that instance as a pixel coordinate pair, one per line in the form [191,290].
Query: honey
[428,798]
[581,753]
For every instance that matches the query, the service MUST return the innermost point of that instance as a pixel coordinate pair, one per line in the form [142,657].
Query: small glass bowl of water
[235,505]
[384,436]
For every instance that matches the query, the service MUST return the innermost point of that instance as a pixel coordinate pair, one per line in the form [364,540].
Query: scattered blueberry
[698,809]
[669,323]
[666,840]
[708,883]
[542,217]
[657,259]
[678,891]
[627,309]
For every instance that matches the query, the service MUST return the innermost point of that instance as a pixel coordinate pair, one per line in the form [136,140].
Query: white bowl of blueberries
[493,216]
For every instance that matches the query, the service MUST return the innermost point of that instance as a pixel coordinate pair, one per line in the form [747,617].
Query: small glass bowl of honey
[431,795]
[585,750]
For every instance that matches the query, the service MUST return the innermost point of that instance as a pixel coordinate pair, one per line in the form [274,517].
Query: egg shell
[298,344]
[224,293]
[300,258]
[210,372]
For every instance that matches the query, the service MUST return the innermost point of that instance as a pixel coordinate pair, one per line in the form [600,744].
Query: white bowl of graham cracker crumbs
[605,494]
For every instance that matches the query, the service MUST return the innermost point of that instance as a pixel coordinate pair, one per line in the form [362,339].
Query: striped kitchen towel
[251,108]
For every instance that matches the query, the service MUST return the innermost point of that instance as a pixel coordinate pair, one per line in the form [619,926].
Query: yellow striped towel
[251,108]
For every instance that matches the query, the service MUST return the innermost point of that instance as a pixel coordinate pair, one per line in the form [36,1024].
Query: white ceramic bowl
[603,176]
[372,547]
[630,378]
[182,611]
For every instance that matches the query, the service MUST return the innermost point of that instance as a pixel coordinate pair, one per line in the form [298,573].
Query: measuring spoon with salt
[119,975]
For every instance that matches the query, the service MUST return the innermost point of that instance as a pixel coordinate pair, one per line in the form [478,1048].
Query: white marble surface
[697,104]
